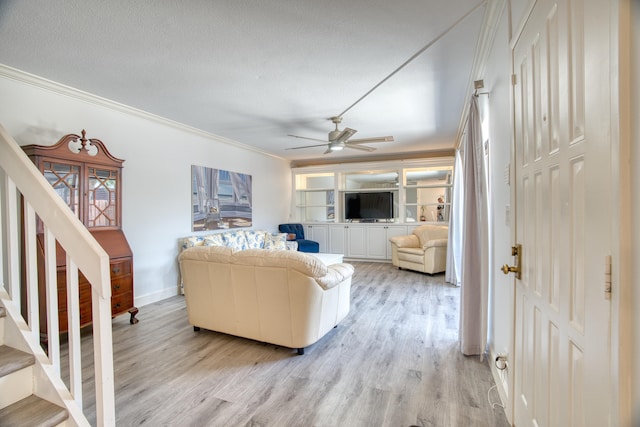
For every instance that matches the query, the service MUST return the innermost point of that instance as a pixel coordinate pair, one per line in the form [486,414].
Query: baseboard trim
[141,301]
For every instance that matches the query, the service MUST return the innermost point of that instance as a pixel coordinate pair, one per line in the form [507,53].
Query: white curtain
[474,268]
[454,247]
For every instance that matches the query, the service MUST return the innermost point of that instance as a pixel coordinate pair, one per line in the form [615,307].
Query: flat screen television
[368,206]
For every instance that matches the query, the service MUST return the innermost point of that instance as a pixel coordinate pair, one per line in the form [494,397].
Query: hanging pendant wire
[414,56]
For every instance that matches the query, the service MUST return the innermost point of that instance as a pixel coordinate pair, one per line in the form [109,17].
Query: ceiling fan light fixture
[340,139]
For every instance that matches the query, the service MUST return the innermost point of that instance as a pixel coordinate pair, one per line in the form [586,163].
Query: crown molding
[59,88]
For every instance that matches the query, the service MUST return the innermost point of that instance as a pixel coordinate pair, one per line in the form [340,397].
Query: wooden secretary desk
[89,180]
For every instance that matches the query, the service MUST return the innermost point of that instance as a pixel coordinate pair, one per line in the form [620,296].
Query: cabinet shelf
[371,190]
[429,186]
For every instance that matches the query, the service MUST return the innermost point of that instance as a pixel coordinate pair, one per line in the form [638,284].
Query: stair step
[32,411]
[12,360]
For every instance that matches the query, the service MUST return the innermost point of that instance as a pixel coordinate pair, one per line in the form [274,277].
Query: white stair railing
[22,178]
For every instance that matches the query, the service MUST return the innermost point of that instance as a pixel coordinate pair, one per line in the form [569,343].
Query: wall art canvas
[220,199]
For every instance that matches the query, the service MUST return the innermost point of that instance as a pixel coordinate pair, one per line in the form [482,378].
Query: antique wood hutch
[89,180]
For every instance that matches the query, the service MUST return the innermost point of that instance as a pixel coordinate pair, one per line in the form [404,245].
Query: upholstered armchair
[424,250]
[304,245]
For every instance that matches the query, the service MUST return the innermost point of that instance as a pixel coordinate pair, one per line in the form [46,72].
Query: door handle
[506,269]
[516,251]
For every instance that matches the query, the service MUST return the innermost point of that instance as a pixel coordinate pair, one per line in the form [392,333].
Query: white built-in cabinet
[421,190]
[337,239]
[318,233]
[378,246]
[348,239]
[356,241]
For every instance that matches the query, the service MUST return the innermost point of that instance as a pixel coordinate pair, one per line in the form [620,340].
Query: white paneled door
[562,173]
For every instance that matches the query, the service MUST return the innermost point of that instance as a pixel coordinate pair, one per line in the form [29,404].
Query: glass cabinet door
[102,201]
[65,180]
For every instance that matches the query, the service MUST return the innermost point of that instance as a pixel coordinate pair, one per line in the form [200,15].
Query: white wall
[497,83]
[157,170]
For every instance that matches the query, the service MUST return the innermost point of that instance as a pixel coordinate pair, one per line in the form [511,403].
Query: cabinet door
[65,178]
[318,233]
[378,246]
[337,239]
[356,238]
[102,199]
[376,242]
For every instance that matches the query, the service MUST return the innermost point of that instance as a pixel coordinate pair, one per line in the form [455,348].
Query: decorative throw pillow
[275,241]
[255,239]
[192,241]
[214,240]
[292,245]
[236,240]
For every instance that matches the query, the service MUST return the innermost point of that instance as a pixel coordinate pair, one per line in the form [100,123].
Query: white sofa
[286,298]
[424,250]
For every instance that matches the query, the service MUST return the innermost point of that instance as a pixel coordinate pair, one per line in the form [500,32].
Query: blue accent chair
[304,245]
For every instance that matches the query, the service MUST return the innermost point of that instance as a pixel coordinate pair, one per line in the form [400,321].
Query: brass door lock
[516,251]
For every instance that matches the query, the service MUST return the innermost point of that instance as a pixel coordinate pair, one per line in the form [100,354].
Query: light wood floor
[394,361]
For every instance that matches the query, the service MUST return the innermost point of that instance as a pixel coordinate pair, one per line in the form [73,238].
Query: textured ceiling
[254,71]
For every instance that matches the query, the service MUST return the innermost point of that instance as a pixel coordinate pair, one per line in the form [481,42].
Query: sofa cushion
[297,261]
[326,276]
[309,246]
[411,255]
[236,240]
[275,241]
[297,229]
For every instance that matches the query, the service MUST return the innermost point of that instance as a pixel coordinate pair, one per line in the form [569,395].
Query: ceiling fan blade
[360,147]
[344,135]
[307,146]
[371,140]
[311,139]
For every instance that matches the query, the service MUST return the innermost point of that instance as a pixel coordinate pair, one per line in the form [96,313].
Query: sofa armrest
[410,241]
[336,274]
[435,243]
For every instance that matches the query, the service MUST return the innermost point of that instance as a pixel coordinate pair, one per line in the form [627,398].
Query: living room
[159,154]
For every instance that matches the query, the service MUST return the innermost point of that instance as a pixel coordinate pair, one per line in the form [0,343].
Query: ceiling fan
[339,139]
